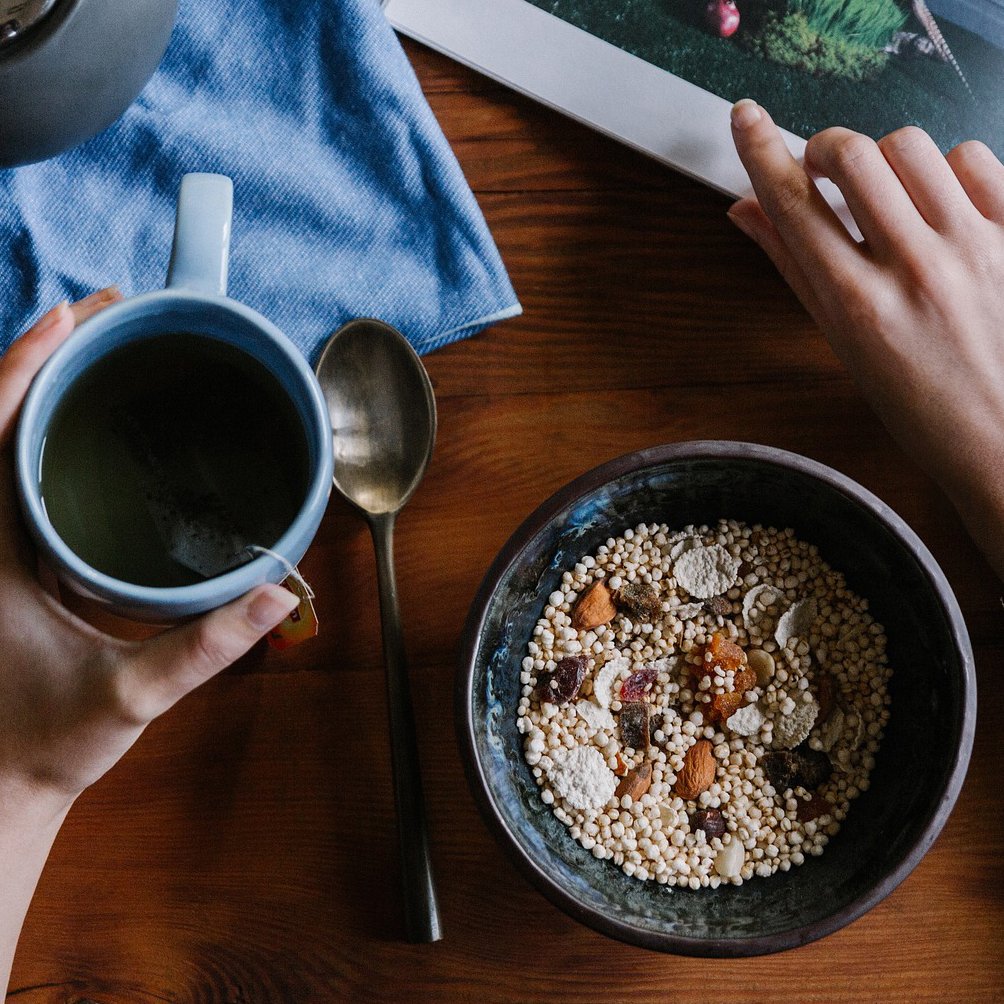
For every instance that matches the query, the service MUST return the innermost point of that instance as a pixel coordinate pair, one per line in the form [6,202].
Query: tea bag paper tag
[301,623]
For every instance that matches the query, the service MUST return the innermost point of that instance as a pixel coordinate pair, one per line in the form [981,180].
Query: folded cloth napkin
[348,201]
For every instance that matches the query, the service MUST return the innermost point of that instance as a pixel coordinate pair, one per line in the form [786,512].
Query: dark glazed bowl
[919,768]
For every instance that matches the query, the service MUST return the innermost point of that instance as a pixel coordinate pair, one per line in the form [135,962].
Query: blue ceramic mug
[194,302]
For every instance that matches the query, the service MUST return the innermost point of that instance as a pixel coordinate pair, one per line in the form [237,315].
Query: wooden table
[244,851]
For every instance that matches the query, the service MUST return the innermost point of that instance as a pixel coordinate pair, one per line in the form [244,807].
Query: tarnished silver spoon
[383,420]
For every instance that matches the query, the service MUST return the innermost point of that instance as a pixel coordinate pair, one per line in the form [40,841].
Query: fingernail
[52,318]
[745,113]
[271,606]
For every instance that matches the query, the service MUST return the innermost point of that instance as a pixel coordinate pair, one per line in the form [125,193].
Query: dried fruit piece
[634,725]
[826,694]
[710,820]
[762,663]
[637,684]
[706,571]
[808,768]
[796,621]
[790,730]
[640,600]
[719,653]
[621,769]
[560,686]
[724,706]
[636,782]
[815,807]
[719,606]
[698,771]
[595,607]
[581,777]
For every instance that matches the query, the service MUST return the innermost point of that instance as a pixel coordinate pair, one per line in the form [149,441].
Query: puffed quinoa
[740,670]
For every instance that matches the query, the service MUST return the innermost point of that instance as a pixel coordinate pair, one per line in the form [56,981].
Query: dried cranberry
[710,820]
[634,725]
[634,687]
[563,684]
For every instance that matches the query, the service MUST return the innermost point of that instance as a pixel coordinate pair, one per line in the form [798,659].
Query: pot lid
[17,16]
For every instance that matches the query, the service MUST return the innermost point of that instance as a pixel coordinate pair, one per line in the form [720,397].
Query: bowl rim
[721,450]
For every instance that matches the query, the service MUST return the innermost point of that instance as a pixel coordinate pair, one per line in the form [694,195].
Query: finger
[27,354]
[747,215]
[981,175]
[25,358]
[90,305]
[927,178]
[788,196]
[163,669]
[883,211]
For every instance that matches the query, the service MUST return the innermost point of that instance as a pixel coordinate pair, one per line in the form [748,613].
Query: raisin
[826,695]
[634,725]
[803,766]
[563,684]
[814,767]
[710,820]
[640,600]
[816,806]
[719,606]
[635,686]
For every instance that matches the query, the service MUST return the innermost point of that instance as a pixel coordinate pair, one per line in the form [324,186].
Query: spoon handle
[421,911]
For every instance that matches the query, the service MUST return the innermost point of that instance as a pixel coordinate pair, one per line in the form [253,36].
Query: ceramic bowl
[919,768]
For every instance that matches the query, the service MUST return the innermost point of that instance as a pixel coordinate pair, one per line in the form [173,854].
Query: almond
[636,782]
[595,607]
[698,772]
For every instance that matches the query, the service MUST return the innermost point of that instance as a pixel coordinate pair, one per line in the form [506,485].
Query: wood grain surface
[244,850]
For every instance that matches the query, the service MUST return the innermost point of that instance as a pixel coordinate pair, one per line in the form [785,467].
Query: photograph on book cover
[870,65]
[661,75]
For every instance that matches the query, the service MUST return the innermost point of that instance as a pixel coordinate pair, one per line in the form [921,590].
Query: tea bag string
[291,570]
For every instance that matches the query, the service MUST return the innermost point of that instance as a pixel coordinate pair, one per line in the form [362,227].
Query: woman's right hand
[916,311]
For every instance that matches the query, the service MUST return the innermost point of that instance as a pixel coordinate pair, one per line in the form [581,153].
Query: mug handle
[201,248]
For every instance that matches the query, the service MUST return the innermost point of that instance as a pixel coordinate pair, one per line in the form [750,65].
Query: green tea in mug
[171,459]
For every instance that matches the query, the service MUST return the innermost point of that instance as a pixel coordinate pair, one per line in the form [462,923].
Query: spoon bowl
[383,424]
[383,415]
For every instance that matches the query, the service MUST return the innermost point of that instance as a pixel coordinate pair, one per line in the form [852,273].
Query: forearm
[29,822]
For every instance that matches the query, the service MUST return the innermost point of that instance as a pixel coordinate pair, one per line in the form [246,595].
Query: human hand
[73,699]
[916,311]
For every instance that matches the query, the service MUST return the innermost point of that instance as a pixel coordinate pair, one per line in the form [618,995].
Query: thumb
[170,665]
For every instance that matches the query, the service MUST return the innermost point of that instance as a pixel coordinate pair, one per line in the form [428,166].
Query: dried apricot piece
[724,706]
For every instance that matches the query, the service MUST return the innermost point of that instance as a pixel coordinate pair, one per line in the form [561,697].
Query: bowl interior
[888,827]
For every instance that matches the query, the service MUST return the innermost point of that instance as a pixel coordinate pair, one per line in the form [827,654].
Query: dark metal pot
[69,68]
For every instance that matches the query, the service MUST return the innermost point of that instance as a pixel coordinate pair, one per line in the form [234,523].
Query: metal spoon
[383,420]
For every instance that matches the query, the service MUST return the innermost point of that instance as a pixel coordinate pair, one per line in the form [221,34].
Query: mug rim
[201,596]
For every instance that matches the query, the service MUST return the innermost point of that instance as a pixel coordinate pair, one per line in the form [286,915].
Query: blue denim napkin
[347,198]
